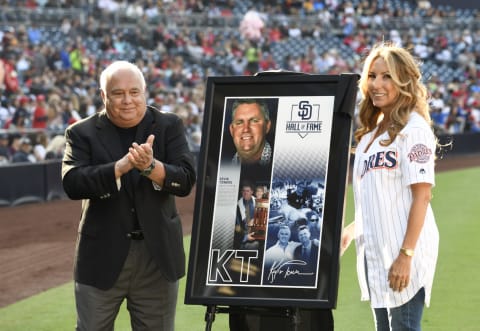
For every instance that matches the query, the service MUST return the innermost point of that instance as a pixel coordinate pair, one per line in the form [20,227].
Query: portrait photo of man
[251,127]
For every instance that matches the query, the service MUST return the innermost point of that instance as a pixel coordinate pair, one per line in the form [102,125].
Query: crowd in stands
[50,63]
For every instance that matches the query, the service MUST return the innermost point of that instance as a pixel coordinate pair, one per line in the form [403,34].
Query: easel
[292,312]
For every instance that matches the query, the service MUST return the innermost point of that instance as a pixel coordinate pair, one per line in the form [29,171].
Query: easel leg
[210,317]
[296,319]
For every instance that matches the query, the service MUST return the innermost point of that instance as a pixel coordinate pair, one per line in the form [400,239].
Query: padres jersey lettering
[379,160]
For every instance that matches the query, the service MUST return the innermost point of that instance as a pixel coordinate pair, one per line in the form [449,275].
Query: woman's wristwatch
[406,251]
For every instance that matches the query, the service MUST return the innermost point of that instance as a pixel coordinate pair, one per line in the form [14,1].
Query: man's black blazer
[93,146]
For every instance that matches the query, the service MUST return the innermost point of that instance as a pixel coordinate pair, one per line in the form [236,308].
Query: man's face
[248,130]
[124,98]
[27,148]
[304,236]
[247,193]
[283,235]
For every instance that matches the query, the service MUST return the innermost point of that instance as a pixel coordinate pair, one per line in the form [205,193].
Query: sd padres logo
[304,119]
[305,110]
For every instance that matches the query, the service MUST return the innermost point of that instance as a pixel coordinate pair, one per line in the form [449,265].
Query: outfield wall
[26,183]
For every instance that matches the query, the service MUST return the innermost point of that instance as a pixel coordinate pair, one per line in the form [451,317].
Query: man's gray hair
[263,107]
[114,67]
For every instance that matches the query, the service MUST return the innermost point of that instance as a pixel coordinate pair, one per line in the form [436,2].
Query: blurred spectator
[20,119]
[24,152]
[322,63]
[238,65]
[252,55]
[76,57]
[4,151]
[108,7]
[40,116]
[23,67]
[9,39]
[472,118]
[8,76]
[194,143]
[6,112]
[251,25]
[134,10]
[34,34]
[39,60]
[56,117]
[294,31]
[191,130]
[456,118]
[267,62]
[274,34]
[39,146]
[55,148]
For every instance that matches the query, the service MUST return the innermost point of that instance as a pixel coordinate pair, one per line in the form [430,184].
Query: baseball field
[37,242]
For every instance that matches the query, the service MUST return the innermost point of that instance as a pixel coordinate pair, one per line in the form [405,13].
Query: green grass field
[455,298]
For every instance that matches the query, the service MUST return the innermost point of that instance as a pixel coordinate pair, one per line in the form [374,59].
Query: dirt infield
[37,240]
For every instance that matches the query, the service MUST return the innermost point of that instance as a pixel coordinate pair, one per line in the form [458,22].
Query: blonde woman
[394,228]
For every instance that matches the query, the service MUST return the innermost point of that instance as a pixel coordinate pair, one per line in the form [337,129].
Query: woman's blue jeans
[406,317]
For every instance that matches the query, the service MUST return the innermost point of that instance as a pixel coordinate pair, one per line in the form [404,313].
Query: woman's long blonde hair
[412,93]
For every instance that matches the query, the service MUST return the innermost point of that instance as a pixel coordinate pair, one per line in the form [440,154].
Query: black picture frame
[212,263]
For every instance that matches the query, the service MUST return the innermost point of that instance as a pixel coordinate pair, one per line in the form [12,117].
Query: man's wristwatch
[146,172]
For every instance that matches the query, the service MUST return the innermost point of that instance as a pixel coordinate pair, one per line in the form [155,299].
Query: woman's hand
[348,234]
[399,273]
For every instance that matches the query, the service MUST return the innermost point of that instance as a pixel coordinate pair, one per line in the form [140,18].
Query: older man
[283,250]
[127,163]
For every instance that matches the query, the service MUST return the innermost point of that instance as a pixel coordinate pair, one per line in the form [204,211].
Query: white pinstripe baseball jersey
[381,180]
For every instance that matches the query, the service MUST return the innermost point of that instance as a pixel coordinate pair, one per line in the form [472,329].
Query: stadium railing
[198,21]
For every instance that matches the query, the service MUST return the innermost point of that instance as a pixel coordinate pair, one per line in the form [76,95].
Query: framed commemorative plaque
[272,177]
